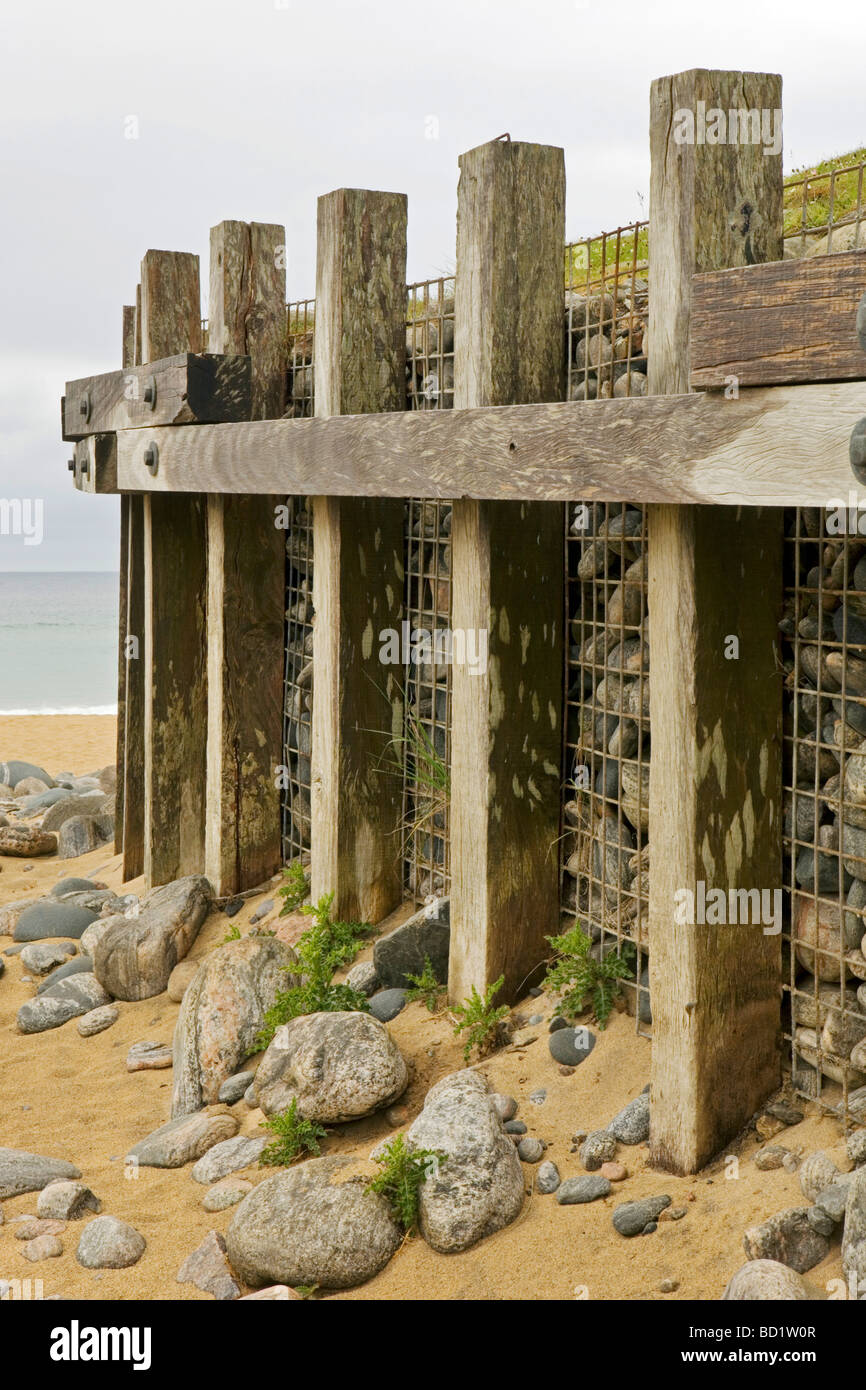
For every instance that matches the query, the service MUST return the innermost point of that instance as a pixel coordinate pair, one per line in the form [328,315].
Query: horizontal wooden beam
[188,389]
[774,446]
[93,464]
[782,322]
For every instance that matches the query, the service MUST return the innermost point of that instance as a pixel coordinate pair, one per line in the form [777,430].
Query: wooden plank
[786,321]
[246,580]
[774,446]
[135,660]
[122,620]
[715,784]
[95,464]
[136,361]
[508,581]
[182,390]
[175,587]
[358,561]
[170,304]
[128,353]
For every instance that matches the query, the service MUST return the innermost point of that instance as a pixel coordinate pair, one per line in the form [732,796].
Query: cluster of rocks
[793,1241]
[825,810]
[606,337]
[605,850]
[90,947]
[64,815]
[105,1242]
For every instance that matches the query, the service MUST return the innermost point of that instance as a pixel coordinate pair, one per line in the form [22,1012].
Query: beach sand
[71,1097]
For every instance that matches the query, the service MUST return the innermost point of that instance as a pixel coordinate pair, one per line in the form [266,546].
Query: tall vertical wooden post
[507,575]
[358,561]
[127,360]
[129,804]
[175,576]
[246,577]
[714,573]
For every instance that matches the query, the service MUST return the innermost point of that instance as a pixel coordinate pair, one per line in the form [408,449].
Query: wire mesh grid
[604,849]
[826,212]
[426,751]
[823,632]
[298,683]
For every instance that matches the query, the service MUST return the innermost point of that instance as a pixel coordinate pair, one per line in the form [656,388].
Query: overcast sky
[250,109]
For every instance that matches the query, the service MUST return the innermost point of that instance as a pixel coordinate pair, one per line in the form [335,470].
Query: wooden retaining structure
[193,441]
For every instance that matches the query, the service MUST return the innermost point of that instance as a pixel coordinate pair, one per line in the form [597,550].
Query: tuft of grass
[321,950]
[576,975]
[233,934]
[403,1171]
[295,1136]
[425,987]
[478,1018]
[294,889]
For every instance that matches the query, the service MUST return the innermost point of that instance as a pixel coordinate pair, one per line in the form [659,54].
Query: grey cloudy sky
[252,109]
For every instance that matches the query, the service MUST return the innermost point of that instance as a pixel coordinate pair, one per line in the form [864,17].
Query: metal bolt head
[857,450]
[151,458]
[149,393]
[84,406]
[861,323]
[71,465]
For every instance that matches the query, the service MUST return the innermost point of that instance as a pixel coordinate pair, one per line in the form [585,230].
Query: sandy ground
[71,1097]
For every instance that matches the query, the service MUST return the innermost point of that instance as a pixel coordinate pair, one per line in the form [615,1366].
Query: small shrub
[576,975]
[321,949]
[233,934]
[403,1171]
[425,987]
[295,1136]
[482,1020]
[295,888]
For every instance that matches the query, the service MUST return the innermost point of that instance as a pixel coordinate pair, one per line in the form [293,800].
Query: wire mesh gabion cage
[604,848]
[298,683]
[426,747]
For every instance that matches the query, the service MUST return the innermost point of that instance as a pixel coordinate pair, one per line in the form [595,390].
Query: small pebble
[557,1022]
[547,1179]
[514,1127]
[596,1149]
[42,1248]
[262,911]
[33,1227]
[567,1071]
[148,1056]
[571,1046]
[650,1227]
[398,1115]
[530,1149]
[234,1088]
[538,1097]
[535,1018]
[232,908]
[97,1020]
[614,1172]
[505,1106]
[770,1157]
[536,992]
[669,1285]
[576,1191]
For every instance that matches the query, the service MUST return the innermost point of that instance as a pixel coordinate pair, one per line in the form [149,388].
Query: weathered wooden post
[246,577]
[175,576]
[129,801]
[358,561]
[714,576]
[507,568]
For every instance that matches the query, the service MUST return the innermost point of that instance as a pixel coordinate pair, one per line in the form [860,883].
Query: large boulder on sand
[303,1227]
[478,1187]
[135,956]
[765,1281]
[337,1066]
[222,1012]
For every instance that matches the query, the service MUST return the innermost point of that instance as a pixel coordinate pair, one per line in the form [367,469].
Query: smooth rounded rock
[547,1179]
[571,1046]
[765,1281]
[234,1088]
[596,1149]
[109,1243]
[226,1193]
[530,1149]
[41,956]
[632,1218]
[576,1191]
[67,1200]
[47,920]
[183,1140]
[387,1004]
[300,1227]
[97,1020]
[21,1172]
[338,1066]
[229,1156]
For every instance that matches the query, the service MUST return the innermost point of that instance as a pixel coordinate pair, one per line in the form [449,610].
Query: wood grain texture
[136,361]
[715,785]
[122,620]
[96,464]
[170,304]
[135,661]
[246,581]
[175,587]
[189,388]
[787,321]
[507,567]
[774,446]
[358,561]
[127,358]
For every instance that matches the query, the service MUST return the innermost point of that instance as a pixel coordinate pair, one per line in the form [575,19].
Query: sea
[58,643]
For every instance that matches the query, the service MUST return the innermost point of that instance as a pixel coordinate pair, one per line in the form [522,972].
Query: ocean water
[58,643]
